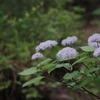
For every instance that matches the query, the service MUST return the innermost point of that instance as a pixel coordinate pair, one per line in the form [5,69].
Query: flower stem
[88,68]
[85,65]
[86,90]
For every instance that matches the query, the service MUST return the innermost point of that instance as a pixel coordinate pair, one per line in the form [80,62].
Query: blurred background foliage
[25,23]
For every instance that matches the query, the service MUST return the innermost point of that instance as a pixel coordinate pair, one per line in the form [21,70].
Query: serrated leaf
[33,81]
[28,71]
[88,48]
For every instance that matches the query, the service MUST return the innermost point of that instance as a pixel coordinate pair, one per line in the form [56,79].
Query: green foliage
[69,76]
[33,81]
[97,12]
[85,81]
[29,71]
[87,48]
[5,85]
[79,60]
[31,93]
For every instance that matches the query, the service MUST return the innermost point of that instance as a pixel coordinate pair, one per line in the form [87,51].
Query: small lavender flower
[94,44]
[94,38]
[36,56]
[69,40]
[96,52]
[46,45]
[67,53]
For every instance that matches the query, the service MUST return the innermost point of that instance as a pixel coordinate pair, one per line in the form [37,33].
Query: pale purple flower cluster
[67,53]
[94,44]
[94,40]
[96,52]
[42,46]
[69,40]
[46,45]
[36,56]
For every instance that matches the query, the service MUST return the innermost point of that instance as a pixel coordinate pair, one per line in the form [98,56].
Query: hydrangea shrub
[87,56]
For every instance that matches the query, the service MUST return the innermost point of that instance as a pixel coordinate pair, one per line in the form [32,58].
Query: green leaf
[33,81]
[79,60]
[88,48]
[90,60]
[71,84]
[47,66]
[69,76]
[65,65]
[84,82]
[97,81]
[29,71]
[90,70]
[83,54]
[98,58]
[51,68]
[44,62]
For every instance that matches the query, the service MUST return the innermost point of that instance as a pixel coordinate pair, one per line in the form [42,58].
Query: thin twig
[85,65]
[86,90]
[88,68]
